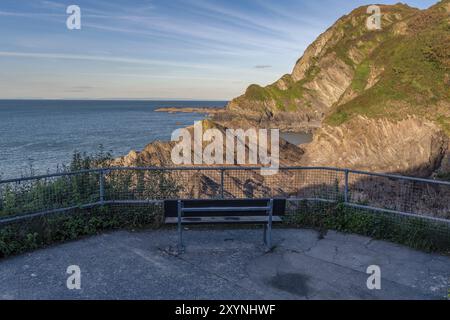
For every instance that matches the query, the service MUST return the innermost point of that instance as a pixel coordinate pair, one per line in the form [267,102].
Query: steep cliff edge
[376,99]
[322,75]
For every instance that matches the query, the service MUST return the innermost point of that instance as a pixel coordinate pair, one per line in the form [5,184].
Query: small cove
[297,138]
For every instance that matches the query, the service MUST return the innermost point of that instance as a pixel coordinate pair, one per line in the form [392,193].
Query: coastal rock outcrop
[375,99]
[299,101]
[409,146]
[158,153]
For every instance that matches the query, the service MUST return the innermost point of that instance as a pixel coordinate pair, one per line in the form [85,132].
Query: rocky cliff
[376,99]
[158,153]
[410,146]
[206,183]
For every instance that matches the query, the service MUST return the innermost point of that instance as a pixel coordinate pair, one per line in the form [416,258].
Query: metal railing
[24,198]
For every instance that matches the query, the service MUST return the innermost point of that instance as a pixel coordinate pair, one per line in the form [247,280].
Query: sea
[38,136]
[41,135]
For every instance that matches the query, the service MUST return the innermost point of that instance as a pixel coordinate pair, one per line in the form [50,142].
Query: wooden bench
[245,211]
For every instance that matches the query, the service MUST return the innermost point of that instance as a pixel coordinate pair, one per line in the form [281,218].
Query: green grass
[415,68]
[444,122]
[361,75]
[285,100]
[289,99]
[337,118]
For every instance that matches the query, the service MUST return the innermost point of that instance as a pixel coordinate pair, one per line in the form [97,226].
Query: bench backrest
[171,207]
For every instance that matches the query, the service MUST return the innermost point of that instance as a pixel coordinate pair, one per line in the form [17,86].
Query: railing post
[102,186]
[346,186]
[269,225]
[180,227]
[222,172]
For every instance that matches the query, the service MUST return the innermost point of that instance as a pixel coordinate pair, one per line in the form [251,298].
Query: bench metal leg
[180,228]
[269,236]
[268,227]
[265,234]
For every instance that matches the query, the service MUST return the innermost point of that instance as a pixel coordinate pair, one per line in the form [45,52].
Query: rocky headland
[375,100]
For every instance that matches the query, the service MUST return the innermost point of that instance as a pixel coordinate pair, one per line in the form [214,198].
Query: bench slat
[222,209]
[234,207]
[227,219]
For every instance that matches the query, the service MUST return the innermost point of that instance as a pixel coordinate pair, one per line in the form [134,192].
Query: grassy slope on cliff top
[416,73]
[415,76]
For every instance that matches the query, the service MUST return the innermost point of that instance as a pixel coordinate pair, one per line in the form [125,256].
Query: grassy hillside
[402,69]
[416,73]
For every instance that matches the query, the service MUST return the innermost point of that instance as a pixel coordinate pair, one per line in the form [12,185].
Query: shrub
[73,191]
[42,231]
[414,232]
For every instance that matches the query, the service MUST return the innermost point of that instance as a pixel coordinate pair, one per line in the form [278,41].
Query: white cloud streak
[99,58]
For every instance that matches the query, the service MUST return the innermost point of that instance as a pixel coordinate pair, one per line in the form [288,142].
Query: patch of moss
[337,118]
[285,100]
[256,92]
[444,122]
[361,75]
[341,51]
[444,176]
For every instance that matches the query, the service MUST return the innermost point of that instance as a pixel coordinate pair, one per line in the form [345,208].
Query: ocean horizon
[39,135]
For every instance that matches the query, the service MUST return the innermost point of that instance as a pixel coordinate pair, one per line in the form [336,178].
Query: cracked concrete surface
[225,264]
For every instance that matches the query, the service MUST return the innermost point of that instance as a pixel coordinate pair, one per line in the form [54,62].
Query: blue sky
[155,49]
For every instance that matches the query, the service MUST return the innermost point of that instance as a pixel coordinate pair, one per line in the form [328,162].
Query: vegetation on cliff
[398,71]
[415,78]
[74,191]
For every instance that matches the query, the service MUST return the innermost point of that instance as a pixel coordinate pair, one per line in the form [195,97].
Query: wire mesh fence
[28,196]
[388,193]
[41,210]
[419,197]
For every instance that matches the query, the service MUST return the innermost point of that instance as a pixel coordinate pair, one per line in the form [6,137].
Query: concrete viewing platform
[225,264]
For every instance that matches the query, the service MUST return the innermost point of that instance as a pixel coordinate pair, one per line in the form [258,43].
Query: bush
[73,191]
[414,232]
[42,231]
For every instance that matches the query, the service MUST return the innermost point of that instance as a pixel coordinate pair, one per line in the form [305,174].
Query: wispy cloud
[80,89]
[51,4]
[219,46]
[29,14]
[126,60]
